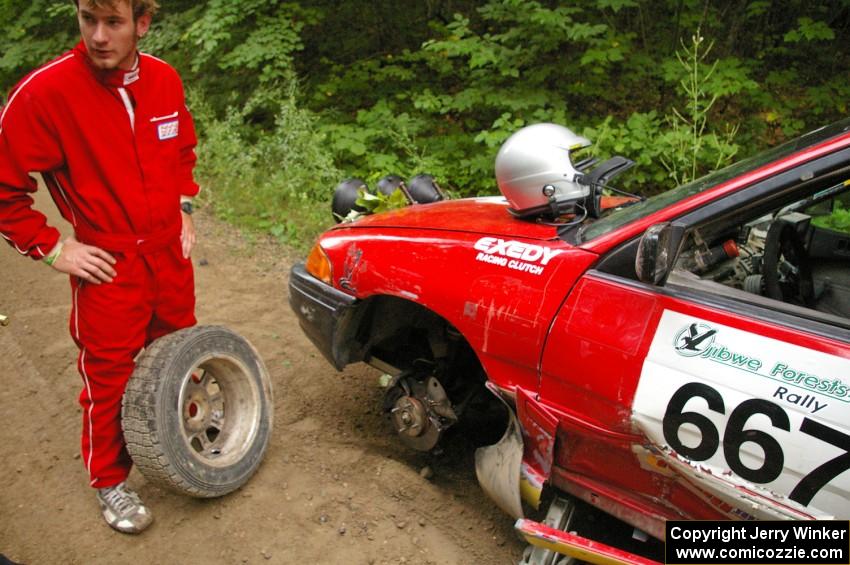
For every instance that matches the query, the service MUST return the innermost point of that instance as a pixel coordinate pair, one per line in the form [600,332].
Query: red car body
[681,398]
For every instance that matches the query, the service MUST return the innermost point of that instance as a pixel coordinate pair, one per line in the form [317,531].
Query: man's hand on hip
[87,262]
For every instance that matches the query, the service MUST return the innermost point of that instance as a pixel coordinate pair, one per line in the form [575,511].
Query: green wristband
[51,257]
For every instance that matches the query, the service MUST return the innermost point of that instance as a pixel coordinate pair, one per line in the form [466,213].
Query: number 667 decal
[735,435]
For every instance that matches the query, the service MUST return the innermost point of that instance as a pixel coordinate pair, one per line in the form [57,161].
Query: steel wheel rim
[219,410]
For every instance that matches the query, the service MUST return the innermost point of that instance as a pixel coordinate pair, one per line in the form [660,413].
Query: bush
[279,181]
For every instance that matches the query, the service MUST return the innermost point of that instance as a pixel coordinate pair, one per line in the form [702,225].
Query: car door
[701,397]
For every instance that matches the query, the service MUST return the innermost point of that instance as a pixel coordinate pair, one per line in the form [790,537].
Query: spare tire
[197,411]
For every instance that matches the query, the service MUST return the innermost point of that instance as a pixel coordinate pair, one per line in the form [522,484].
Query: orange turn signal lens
[319,265]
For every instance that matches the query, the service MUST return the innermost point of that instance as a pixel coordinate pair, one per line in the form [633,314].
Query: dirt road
[335,487]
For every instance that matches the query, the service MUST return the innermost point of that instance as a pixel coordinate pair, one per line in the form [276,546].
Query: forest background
[289,98]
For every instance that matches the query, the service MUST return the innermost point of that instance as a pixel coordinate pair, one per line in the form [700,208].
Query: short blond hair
[140,7]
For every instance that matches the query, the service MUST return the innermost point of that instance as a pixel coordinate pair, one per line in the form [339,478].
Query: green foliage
[595,66]
[236,51]
[375,203]
[488,74]
[637,138]
[290,97]
[32,33]
[681,146]
[254,38]
[810,30]
[839,220]
[279,184]
[695,150]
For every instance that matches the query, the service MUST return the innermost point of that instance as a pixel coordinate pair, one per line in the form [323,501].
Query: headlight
[319,265]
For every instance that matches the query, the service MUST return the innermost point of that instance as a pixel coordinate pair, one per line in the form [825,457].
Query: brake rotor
[419,411]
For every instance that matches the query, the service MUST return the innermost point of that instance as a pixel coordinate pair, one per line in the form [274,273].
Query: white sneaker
[123,509]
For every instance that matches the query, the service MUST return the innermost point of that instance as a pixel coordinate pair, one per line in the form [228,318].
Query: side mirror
[655,253]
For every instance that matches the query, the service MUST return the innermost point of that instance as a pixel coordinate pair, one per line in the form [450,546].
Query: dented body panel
[581,548]
[503,311]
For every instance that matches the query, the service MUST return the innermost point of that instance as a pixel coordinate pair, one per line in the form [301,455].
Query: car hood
[487,215]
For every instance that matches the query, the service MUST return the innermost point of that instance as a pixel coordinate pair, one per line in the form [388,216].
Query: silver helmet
[534,170]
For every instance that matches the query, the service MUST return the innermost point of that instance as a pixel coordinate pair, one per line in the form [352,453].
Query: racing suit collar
[116,78]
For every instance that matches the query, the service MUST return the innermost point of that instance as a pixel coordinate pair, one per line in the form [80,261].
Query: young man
[108,129]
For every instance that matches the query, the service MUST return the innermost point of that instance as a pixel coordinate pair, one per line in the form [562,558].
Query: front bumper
[324,313]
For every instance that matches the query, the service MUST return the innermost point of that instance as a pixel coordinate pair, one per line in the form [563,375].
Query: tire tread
[140,421]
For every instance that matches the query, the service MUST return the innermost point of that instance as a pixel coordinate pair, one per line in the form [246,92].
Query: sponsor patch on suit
[167,130]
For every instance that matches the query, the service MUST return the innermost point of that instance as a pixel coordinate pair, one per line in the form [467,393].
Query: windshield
[628,214]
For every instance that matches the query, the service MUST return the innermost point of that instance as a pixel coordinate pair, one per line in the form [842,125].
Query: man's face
[110,33]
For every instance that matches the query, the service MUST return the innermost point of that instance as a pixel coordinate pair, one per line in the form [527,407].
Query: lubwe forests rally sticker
[749,410]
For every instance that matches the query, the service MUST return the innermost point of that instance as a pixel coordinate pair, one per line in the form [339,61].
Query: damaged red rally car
[683,356]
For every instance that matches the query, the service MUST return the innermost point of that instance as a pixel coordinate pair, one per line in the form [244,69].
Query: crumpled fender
[539,429]
[516,468]
[498,466]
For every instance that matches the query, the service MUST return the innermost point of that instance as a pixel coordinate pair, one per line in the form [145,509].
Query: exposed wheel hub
[409,416]
[203,409]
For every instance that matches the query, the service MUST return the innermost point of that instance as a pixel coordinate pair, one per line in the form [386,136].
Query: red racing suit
[116,150]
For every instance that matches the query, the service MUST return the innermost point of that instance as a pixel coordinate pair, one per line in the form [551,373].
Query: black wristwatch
[187,207]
